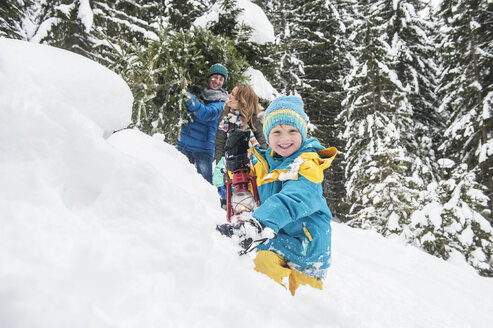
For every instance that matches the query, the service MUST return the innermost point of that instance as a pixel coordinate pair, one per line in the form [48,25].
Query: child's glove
[255,230]
[218,174]
[249,230]
[254,233]
[222,192]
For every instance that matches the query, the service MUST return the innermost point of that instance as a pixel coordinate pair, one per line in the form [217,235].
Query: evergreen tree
[282,16]
[454,221]
[12,14]
[229,25]
[312,54]
[92,27]
[123,23]
[323,48]
[69,31]
[416,68]
[87,27]
[40,16]
[161,72]
[385,175]
[181,14]
[467,87]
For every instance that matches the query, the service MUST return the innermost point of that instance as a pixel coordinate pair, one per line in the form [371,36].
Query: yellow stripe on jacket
[312,167]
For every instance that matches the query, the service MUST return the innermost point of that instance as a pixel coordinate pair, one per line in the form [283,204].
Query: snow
[88,89]
[100,230]
[260,85]
[252,15]
[486,113]
[292,174]
[85,14]
[446,163]
[37,34]
[393,223]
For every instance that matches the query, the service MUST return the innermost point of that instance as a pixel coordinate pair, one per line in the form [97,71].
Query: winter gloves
[249,231]
[192,102]
[254,233]
[222,191]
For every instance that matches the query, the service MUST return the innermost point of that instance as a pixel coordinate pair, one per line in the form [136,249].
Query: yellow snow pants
[275,266]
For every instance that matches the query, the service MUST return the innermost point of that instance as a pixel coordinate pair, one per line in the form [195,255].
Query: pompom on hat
[218,69]
[286,110]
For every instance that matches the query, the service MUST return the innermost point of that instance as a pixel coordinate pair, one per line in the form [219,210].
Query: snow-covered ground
[117,230]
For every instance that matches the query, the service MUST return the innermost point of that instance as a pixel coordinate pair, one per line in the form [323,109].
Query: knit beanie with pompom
[286,110]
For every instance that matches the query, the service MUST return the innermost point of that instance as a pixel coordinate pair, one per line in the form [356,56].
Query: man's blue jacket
[199,136]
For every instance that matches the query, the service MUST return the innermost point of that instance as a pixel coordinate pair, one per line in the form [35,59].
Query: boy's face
[285,139]
[216,81]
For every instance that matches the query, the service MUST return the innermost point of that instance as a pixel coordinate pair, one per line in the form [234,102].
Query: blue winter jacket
[199,136]
[292,204]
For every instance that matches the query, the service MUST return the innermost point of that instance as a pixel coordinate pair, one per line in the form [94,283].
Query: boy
[289,176]
[196,139]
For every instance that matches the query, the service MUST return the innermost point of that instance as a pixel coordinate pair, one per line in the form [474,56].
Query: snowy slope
[101,230]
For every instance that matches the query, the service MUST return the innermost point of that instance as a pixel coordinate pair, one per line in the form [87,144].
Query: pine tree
[385,176]
[161,72]
[311,53]
[68,31]
[322,47]
[467,87]
[229,25]
[321,32]
[12,14]
[454,221]
[90,27]
[124,22]
[416,69]
[181,14]
[40,16]
[282,16]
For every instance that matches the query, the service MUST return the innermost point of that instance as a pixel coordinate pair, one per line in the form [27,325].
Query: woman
[242,111]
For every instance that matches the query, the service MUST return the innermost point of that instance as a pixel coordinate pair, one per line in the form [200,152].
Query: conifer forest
[403,89]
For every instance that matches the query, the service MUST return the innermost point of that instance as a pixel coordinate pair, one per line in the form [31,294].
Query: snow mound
[38,75]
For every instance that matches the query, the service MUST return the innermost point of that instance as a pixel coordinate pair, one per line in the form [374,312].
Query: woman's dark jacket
[221,136]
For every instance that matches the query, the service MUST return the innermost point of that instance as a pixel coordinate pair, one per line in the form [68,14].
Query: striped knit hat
[286,110]
[218,69]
